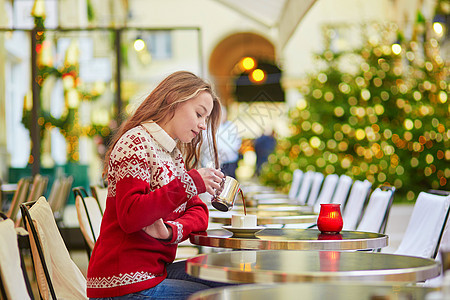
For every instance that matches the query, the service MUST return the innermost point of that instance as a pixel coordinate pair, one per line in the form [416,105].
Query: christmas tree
[379,112]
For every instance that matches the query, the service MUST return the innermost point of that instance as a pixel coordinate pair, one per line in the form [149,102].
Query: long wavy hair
[162,102]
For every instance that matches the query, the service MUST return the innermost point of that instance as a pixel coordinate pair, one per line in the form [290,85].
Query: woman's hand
[159,230]
[212,179]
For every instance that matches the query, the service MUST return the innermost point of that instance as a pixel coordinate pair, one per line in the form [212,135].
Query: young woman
[152,202]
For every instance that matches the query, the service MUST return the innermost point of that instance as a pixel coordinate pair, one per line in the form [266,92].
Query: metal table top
[269,266]
[291,239]
[275,207]
[273,201]
[8,187]
[269,199]
[267,217]
[317,291]
[268,207]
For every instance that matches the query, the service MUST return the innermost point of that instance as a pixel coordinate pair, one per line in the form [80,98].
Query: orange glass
[330,219]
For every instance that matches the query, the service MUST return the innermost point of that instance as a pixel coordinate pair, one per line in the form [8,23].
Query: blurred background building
[70,71]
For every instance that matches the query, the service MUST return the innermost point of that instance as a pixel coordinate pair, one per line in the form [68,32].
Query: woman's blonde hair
[162,102]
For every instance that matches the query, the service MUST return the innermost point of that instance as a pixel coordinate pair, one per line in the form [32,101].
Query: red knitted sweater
[147,180]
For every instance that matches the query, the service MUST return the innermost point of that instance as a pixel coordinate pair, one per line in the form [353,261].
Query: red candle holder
[329,261]
[330,219]
[329,237]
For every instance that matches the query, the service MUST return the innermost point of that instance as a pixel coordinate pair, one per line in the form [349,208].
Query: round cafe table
[270,266]
[290,239]
[266,217]
[275,207]
[267,208]
[317,291]
[6,188]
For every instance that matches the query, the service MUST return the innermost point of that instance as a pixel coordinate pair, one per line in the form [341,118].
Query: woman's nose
[202,125]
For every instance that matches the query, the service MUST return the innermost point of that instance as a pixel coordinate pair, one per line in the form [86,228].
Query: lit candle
[330,218]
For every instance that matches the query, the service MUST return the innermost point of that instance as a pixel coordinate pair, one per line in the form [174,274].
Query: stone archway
[228,52]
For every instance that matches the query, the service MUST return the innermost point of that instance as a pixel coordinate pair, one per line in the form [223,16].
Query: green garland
[68,123]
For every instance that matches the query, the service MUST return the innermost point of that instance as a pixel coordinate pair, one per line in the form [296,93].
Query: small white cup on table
[243,221]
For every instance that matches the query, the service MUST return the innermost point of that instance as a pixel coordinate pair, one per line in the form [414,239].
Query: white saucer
[244,231]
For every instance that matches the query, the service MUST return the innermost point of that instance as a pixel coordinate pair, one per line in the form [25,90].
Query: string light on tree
[389,122]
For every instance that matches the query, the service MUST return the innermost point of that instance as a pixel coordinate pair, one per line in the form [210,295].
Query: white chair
[100,193]
[445,240]
[426,226]
[55,191]
[59,194]
[355,203]
[295,185]
[315,188]
[20,196]
[305,187]
[57,275]
[327,191]
[38,187]
[89,215]
[444,246]
[342,189]
[376,214]
[14,280]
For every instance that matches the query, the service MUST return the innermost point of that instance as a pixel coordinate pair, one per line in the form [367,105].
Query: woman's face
[189,118]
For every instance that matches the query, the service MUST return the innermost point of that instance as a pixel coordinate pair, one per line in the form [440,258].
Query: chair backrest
[327,191]
[13,275]
[305,187]
[59,194]
[19,197]
[315,188]
[38,187]
[445,239]
[57,275]
[426,226]
[100,193]
[342,189]
[89,215]
[55,192]
[376,214]
[295,185]
[355,203]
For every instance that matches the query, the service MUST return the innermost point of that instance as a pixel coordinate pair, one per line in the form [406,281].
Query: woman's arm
[137,206]
[159,230]
[194,219]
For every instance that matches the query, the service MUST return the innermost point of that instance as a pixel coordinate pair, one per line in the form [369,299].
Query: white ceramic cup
[243,221]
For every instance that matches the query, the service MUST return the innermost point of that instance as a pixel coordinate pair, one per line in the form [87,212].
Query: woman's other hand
[158,230]
[212,179]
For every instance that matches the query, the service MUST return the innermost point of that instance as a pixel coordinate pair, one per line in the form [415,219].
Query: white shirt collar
[160,135]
